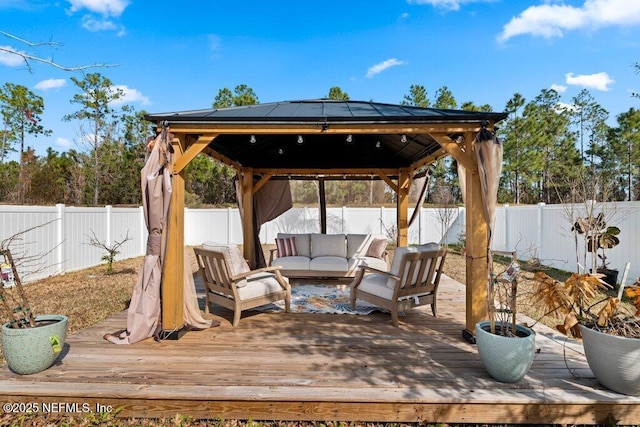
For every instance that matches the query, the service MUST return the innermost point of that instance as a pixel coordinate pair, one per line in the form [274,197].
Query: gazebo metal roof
[330,139]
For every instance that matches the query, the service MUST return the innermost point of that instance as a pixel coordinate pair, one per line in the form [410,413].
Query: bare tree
[29,58]
[112,250]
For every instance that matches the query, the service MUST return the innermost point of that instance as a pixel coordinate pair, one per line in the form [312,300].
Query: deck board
[294,366]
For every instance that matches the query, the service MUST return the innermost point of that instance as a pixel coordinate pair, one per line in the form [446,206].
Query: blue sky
[172,56]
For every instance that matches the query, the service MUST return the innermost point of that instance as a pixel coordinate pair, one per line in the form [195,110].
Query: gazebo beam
[193,150]
[354,128]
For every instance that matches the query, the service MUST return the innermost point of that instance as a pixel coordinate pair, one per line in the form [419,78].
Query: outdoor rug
[332,299]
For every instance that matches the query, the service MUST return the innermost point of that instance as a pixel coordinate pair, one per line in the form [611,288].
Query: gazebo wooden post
[402,206]
[248,242]
[476,247]
[173,264]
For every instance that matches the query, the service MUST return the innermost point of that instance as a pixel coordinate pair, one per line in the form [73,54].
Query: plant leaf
[608,311]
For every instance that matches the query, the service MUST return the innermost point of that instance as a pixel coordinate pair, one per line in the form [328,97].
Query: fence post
[342,222]
[228,225]
[506,225]
[108,212]
[540,234]
[143,227]
[60,239]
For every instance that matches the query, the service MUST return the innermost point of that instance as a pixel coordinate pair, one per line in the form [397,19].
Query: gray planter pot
[32,350]
[507,359]
[615,361]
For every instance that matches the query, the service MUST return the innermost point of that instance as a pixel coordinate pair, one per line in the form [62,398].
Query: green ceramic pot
[31,350]
[507,359]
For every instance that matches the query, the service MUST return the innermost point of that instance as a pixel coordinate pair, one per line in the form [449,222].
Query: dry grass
[90,296]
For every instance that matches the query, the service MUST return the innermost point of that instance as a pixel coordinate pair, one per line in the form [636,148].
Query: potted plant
[505,347]
[610,335]
[599,236]
[30,343]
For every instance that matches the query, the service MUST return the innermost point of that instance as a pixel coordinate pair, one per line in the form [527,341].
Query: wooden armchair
[411,281]
[237,288]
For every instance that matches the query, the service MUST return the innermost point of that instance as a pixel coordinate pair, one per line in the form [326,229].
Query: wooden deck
[277,366]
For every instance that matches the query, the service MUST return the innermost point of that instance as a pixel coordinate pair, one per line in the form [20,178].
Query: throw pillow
[286,246]
[377,248]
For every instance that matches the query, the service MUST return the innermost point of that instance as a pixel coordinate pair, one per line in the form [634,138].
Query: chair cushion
[259,285]
[357,244]
[303,242]
[375,284]
[377,263]
[399,252]
[328,245]
[377,248]
[398,255]
[286,246]
[232,255]
[293,263]
[329,263]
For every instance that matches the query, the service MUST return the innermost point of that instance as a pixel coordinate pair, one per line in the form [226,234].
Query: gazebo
[327,139]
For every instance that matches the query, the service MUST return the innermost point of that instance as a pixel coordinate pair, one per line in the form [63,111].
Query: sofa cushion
[292,262]
[328,245]
[377,248]
[232,255]
[286,246]
[328,263]
[358,244]
[303,242]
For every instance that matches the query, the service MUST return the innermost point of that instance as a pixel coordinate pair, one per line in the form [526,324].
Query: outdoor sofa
[311,255]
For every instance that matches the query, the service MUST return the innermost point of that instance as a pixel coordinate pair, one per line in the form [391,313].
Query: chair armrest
[376,270]
[271,255]
[252,272]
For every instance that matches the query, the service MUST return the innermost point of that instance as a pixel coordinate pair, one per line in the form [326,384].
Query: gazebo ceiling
[324,134]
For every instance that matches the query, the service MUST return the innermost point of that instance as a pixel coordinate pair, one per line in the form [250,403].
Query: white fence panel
[39,241]
[540,231]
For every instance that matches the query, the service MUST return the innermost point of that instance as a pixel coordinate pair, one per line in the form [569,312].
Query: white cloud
[103,7]
[446,4]
[599,81]
[559,88]
[380,67]
[94,25]
[63,142]
[214,42]
[10,56]
[130,96]
[553,20]
[50,84]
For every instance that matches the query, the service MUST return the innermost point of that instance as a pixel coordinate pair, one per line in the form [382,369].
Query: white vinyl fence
[537,231]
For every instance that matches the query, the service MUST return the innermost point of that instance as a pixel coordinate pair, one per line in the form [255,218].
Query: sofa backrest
[328,245]
[357,244]
[303,242]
